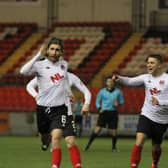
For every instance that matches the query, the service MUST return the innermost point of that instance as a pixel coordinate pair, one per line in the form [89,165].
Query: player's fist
[42,49]
[116,103]
[85,108]
[115,78]
[72,98]
[154,101]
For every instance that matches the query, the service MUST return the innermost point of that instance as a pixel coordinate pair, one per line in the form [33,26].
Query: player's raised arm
[26,68]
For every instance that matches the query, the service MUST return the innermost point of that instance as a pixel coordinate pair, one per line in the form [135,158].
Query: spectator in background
[153,119]
[53,98]
[107,101]
[78,117]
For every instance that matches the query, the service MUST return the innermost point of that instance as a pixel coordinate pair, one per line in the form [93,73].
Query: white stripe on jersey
[154,86]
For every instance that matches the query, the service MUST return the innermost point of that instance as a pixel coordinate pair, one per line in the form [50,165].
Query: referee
[107,101]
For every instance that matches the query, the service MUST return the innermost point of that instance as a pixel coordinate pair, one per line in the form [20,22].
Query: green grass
[25,152]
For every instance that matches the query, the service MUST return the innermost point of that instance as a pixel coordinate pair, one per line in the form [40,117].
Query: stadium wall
[17,123]
[36,11]
[25,124]
[70,10]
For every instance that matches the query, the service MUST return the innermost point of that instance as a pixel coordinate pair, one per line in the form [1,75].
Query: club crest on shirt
[161,82]
[62,67]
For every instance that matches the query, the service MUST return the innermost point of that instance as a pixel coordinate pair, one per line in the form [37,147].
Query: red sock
[135,156]
[56,157]
[75,156]
[156,156]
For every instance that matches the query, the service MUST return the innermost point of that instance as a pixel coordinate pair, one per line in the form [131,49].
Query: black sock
[46,139]
[91,139]
[114,141]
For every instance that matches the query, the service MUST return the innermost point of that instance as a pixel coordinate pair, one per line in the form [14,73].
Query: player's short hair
[108,77]
[156,56]
[55,40]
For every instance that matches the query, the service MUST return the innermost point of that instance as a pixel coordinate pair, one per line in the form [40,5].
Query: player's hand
[115,78]
[154,101]
[72,98]
[116,103]
[101,111]
[42,51]
[85,108]
[36,97]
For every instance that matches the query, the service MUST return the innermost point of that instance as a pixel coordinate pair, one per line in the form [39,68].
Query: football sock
[135,156]
[75,156]
[114,141]
[155,157]
[91,139]
[56,157]
[45,139]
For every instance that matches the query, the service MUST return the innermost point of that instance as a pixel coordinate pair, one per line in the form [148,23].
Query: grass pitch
[25,152]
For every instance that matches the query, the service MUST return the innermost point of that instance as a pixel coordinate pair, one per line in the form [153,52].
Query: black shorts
[49,118]
[153,130]
[109,119]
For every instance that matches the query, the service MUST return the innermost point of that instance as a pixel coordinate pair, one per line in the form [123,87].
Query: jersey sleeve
[31,87]
[132,81]
[75,81]
[99,99]
[67,83]
[163,102]
[28,68]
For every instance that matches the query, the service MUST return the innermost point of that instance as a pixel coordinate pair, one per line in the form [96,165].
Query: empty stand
[87,45]
[12,35]
[16,99]
[118,60]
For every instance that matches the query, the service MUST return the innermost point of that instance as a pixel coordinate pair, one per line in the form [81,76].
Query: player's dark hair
[55,40]
[156,56]
[107,77]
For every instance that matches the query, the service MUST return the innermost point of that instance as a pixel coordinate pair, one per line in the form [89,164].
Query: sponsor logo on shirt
[56,77]
[154,91]
[62,67]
